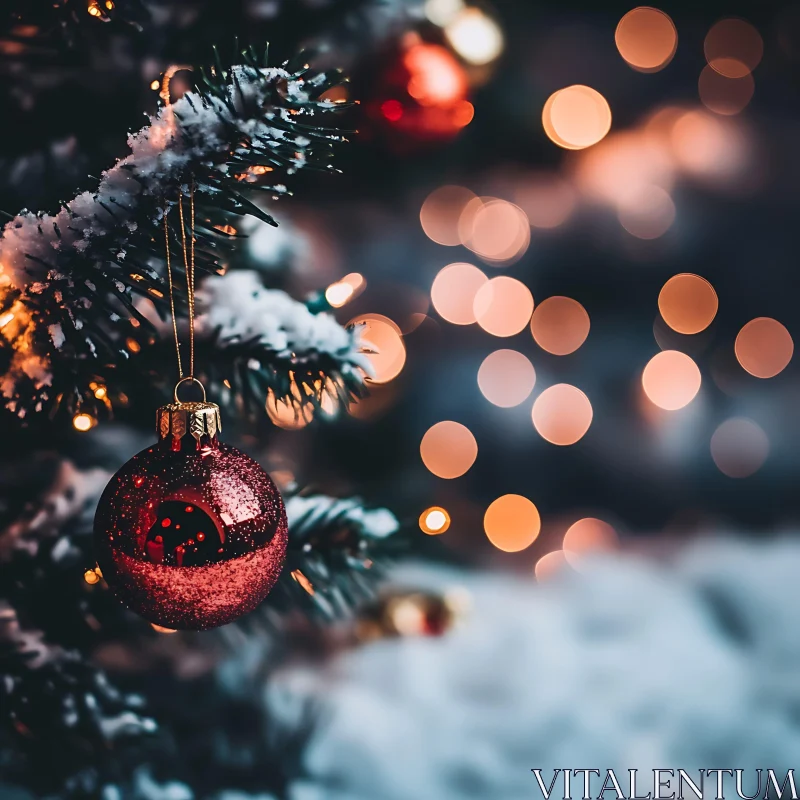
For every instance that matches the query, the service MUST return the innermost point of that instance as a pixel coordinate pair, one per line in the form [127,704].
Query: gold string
[188,262]
[172,294]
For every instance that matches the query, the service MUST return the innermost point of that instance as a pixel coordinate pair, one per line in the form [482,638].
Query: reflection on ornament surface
[191,537]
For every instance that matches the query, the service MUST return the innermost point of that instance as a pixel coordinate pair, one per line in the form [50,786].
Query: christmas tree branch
[34,24]
[254,347]
[337,548]
[59,713]
[68,278]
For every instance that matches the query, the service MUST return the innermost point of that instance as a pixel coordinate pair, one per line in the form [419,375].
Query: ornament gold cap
[197,419]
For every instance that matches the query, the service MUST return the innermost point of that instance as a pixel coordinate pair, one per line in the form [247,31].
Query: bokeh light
[724,95]
[671,380]
[498,231]
[342,292]
[560,325]
[440,12]
[764,347]
[288,415]
[648,214]
[384,340]
[647,39]
[448,449]
[434,520]
[440,213]
[624,166]
[733,47]
[562,414]
[437,79]
[739,447]
[547,200]
[688,303]
[706,146]
[550,565]
[512,523]
[454,290]
[503,306]
[586,536]
[576,117]
[506,378]
[83,422]
[475,36]
[92,576]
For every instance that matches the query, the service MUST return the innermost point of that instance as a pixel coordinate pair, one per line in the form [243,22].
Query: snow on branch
[67,279]
[262,339]
[337,548]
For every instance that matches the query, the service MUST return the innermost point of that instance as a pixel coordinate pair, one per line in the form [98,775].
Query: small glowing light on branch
[503,306]
[739,447]
[475,36]
[171,71]
[562,414]
[576,117]
[506,378]
[448,449]
[724,95]
[647,39]
[83,422]
[155,85]
[671,380]
[560,325]
[383,341]
[100,392]
[764,347]
[92,576]
[733,47]
[586,536]
[94,10]
[441,211]
[133,345]
[688,303]
[512,523]
[453,292]
[434,520]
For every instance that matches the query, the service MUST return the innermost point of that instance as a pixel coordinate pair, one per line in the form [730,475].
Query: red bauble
[419,97]
[190,533]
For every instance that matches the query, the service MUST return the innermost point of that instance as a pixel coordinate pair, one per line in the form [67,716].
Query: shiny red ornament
[190,533]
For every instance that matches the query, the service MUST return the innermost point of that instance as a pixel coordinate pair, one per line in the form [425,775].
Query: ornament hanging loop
[188,379]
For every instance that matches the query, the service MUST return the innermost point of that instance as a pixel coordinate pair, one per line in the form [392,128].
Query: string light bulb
[93,576]
[434,520]
[83,422]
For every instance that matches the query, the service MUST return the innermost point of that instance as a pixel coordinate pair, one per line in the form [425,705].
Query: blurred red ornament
[190,533]
[421,95]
